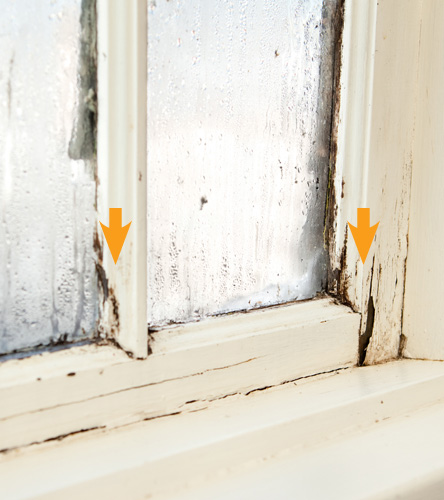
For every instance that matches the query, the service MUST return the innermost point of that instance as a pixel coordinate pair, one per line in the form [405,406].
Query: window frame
[122,169]
[375,130]
[88,387]
[67,378]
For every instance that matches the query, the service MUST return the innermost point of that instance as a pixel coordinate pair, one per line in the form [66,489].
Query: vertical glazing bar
[122,87]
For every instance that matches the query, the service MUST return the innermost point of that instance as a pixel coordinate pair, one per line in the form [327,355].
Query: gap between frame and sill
[56,394]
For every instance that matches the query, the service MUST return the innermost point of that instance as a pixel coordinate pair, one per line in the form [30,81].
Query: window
[239,122]
[100,386]
[237,113]
[48,291]
[385,153]
[286,163]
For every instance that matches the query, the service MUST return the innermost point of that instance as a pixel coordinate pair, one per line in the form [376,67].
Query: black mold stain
[82,145]
[115,304]
[315,228]
[364,339]
[338,280]
[102,280]
[107,292]
[402,345]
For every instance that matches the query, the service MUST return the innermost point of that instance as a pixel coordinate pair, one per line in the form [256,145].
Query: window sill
[372,432]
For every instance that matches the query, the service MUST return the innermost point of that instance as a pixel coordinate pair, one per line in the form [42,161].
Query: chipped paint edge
[373,166]
[98,386]
[122,169]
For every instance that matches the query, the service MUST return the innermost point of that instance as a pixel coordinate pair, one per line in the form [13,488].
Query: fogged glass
[48,285]
[239,119]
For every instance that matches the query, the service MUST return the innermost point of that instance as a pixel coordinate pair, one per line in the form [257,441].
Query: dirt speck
[203,200]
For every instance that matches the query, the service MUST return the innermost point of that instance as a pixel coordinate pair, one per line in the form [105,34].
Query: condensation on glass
[239,120]
[48,284]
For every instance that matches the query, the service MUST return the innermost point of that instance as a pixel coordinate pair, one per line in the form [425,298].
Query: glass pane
[48,285]
[239,118]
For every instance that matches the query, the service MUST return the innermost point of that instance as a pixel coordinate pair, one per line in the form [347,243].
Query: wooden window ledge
[371,432]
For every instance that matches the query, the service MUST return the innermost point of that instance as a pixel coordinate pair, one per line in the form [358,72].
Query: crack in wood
[60,437]
[182,409]
[133,388]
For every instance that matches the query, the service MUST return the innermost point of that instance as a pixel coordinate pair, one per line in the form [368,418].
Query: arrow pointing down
[115,234]
[363,234]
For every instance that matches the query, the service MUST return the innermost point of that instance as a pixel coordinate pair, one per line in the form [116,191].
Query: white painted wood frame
[56,394]
[423,318]
[361,433]
[98,386]
[375,134]
[122,169]
[389,416]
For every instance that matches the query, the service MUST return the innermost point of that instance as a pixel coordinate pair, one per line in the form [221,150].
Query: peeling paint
[338,281]
[402,345]
[331,206]
[190,406]
[364,339]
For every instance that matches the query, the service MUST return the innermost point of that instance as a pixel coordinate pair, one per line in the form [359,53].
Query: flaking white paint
[47,396]
[375,143]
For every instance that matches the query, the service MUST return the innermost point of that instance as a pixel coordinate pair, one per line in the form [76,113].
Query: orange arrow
[363,234]
[115,234]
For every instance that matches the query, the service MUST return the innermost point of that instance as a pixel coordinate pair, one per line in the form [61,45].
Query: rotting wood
[121,140]
[108,322]
[331,206]
[375,140]
[200,362]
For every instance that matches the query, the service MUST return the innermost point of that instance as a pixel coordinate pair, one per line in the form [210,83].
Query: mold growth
[364,339]
[48,283]
[102,280]
[337,278]
[264,161]
[402,345]
[108,322]
[114,310]
[82,145]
